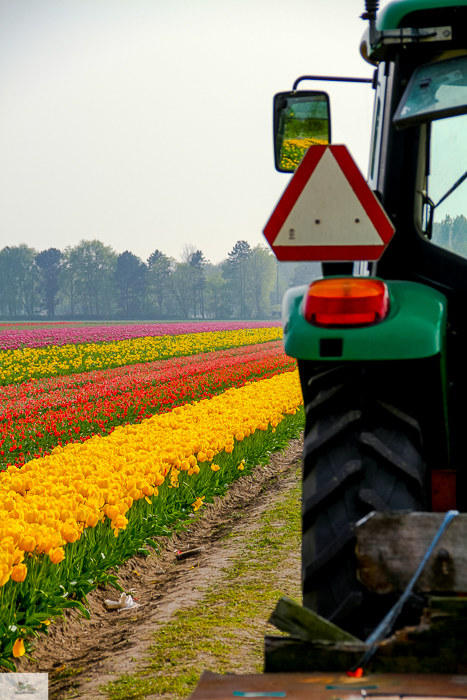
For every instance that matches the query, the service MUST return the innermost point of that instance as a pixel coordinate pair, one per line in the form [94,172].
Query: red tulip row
[37,416]
[38,395]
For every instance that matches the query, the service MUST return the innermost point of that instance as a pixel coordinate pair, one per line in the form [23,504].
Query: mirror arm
[330,78]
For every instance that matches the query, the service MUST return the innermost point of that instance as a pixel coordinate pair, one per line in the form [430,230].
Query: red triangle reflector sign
[328,212]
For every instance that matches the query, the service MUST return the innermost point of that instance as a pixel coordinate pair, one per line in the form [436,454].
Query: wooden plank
[285,654]
[289,616]
[451,605]
[294,655]
[436,644]
[319,686]
[391,545]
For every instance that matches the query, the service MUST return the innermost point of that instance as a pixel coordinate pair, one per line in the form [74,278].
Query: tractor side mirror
[302,118]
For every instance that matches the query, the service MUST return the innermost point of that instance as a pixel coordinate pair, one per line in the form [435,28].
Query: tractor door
[421,173]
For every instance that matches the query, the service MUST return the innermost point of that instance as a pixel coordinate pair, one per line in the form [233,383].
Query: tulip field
[111,436]
[40,335]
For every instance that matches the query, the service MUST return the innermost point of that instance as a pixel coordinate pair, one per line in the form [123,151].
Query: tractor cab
[418,165]
[384,391]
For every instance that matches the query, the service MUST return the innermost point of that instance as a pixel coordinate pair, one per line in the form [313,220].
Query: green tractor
[381,340]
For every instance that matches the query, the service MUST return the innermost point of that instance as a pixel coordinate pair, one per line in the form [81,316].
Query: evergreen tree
[235,271]
[159,270]
[198,280]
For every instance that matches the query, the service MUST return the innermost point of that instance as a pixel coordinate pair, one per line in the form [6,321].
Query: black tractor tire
[361,453]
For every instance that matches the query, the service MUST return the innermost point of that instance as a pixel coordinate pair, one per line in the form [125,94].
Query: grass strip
[224,631]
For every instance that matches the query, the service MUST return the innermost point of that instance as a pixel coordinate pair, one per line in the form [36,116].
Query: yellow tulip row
[293,150]
[50,501]
[27,363]
[305,142]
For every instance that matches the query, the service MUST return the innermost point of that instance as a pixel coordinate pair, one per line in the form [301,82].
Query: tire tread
[361,453]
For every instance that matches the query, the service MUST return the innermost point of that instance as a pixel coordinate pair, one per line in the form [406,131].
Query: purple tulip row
[38,337]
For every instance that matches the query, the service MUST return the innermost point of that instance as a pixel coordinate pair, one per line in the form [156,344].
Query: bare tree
[179,288]
[261,275]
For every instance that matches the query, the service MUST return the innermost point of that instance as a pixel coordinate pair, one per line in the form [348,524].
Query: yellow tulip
[70,534]
[92,519]
[18,557]
[120,522]
[27,544]
[56,555]
[18,648]
[19,572]
[112,512]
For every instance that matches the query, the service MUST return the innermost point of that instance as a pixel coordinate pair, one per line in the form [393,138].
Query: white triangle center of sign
[327,212]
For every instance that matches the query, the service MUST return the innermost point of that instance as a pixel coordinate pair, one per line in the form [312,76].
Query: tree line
[451,233]
[91,281]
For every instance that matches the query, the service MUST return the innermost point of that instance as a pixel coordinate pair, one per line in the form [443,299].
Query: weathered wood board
[436,644]
[390,546]
[319,686]
[289,616]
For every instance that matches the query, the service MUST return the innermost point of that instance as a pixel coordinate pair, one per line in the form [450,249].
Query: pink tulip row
[37,337]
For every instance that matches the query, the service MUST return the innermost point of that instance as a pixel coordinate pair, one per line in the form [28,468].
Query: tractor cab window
[435,90]
[445,211]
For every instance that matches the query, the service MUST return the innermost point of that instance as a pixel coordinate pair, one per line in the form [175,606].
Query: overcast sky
[148,123]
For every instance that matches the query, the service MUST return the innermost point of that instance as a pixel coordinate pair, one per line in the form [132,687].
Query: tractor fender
[415,327]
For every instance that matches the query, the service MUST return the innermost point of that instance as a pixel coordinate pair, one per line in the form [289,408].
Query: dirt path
[81,656]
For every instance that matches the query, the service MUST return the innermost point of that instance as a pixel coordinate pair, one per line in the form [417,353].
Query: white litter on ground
[126,602]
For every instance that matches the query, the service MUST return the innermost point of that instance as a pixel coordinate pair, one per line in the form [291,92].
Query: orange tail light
[346,301]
